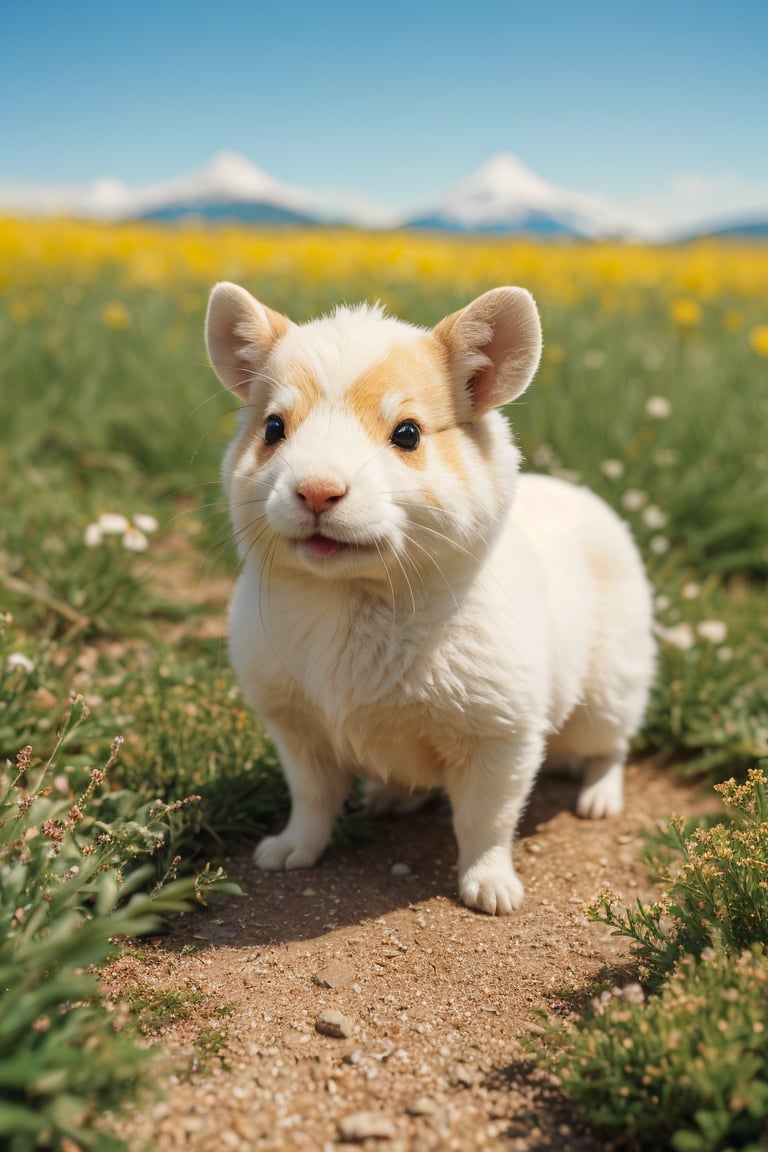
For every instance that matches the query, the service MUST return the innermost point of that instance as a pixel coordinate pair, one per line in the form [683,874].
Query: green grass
[133,421]
[130,420]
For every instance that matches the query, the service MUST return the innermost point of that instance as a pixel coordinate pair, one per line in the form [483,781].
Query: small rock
[335,1024]
[465,1076]
[423,1106]
[400,869]
[367,1126]
[336,975]
[532,847]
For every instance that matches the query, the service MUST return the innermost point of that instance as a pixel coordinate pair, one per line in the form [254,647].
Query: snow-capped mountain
[506,196]
[229,186]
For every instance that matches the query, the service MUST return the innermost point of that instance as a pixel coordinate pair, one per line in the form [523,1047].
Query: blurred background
[611,160]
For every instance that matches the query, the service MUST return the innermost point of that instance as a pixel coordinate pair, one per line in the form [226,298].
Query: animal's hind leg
[600,728]
[602,787]
[598,744]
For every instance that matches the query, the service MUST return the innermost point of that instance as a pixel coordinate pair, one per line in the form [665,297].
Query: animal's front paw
[276,853]
[491,887]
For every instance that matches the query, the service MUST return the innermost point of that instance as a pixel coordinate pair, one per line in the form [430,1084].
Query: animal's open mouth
[322,546]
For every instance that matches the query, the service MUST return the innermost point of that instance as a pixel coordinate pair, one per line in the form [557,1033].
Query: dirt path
[430,1000]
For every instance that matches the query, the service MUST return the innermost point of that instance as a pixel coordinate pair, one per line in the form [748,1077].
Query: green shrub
[683,1063]
[70,882]
[686,1069]
[717,887]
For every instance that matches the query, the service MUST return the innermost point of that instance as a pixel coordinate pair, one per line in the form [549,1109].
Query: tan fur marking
[417,372]
[449,445]
[253,435]
[308,393]
[304,388]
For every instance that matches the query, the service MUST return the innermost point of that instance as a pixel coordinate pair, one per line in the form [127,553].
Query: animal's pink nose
[319,495]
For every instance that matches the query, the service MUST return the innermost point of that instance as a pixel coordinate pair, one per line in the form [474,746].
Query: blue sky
[648,104]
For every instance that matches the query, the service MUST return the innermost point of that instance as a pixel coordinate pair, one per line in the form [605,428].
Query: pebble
[465,1076]
[335,1024]
[367,1126]
[336,975]
[400,869]
[423,1106]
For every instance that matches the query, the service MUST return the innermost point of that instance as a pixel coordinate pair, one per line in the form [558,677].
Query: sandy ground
[426,1002]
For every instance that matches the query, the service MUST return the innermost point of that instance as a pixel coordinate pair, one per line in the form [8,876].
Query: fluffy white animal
[408,606]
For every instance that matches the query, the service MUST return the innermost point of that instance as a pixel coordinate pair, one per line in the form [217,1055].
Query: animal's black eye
[406,436]
[274,430]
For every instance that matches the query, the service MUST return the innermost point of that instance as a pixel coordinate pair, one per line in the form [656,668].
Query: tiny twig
[30,592]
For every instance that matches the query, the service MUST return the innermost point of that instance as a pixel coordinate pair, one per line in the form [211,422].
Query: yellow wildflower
[686,312]
[555,353]
[758,338]
[114,315]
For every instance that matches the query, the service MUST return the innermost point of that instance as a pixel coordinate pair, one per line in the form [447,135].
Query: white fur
[476,621]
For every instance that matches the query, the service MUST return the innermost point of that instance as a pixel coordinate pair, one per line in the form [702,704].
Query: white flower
[135,540]
[613,469]
[654,517]
[725,654]
[633,499]
[680,636]
[662,602]
[691,590]
[713,630]
[93,536]
[145,523]
[19,660]
[658,407]
[659,545]
[113,523]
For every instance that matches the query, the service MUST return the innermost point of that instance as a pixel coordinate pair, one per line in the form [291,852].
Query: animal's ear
[240,333]
[493,346]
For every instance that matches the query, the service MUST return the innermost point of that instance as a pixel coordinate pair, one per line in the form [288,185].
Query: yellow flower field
[155,256]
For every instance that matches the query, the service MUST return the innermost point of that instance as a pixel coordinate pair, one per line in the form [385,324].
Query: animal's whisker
[236,537]
[252,480]
[415,543]
[389,578]
[217,395]
[247,377]
[265,576]
[407,582]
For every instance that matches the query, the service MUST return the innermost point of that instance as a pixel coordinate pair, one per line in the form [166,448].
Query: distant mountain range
[749,229]
[506,196]
[502,197]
